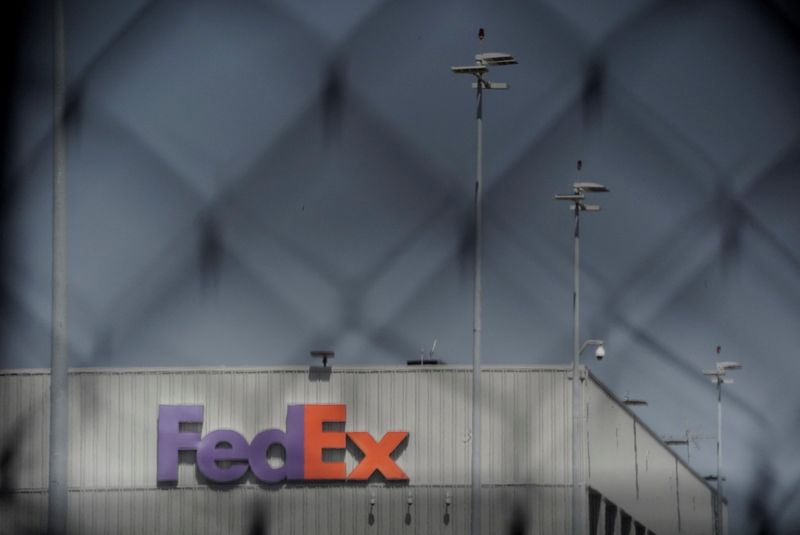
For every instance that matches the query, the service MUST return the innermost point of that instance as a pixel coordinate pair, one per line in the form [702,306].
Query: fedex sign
[303,442]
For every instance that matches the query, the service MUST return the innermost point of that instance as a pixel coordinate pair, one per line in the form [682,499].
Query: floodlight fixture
[590,186]
[634,402]
[570,197]
[481,67]
[495,58]
[729,365]
[579,195]
[470,69]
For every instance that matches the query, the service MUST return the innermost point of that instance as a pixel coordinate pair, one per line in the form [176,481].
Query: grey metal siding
[112,469]
[638,473]
[114,419]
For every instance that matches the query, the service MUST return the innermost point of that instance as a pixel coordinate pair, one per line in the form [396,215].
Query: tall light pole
[59,385]
[478,70]
[577,197]
[718,377]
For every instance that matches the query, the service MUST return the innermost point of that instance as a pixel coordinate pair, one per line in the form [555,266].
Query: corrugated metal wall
[113,450]
[633,469]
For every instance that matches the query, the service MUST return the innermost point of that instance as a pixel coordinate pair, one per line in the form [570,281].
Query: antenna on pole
[422,361]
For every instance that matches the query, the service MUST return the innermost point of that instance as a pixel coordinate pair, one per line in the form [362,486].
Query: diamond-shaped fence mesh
[251,180]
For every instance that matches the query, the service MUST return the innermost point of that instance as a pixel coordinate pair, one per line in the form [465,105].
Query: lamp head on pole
[594,187]
[579,191]
[482,63]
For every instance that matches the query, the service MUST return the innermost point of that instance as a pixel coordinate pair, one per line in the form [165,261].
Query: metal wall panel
[634,469]
[24,512]
[526,427]
[695,502]
[525,447]
[525,435]
[24,427]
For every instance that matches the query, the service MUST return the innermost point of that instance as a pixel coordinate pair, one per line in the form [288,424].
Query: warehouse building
[338,451]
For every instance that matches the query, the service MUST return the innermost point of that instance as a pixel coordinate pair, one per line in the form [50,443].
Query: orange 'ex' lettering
[377,455]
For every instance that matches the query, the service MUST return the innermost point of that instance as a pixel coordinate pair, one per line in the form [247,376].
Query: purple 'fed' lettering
[171,440]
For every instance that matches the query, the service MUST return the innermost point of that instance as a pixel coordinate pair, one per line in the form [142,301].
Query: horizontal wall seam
[79,490]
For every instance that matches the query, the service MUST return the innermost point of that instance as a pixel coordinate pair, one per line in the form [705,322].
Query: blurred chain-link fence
[251,180]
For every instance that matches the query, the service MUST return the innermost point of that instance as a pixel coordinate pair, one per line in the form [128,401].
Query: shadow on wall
[519,521]
[259,523]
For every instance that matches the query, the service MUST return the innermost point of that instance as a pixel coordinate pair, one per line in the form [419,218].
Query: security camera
[600,352]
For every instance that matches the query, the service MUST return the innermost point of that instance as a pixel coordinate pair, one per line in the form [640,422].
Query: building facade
[633,482]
